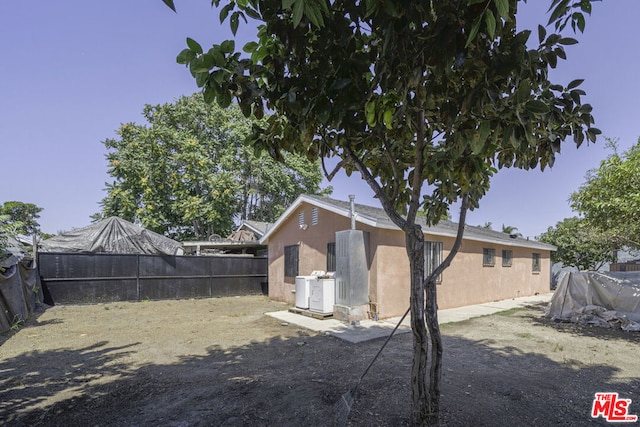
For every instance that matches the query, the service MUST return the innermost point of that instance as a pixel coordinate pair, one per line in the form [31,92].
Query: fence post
[138,277]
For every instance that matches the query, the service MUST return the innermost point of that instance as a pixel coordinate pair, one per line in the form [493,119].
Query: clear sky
[71,71]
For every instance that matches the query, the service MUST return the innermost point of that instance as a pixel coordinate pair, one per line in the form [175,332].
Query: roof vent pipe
[352,212]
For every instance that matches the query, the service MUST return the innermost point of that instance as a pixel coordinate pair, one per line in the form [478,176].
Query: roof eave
[363,219]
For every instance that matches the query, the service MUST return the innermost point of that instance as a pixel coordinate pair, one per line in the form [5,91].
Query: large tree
[23,215]
[609,200]
[189,172]
[8,228]
[426,100]
[579,245]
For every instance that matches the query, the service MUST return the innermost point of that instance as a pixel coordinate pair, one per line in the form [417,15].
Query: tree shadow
[33,320]
[31,379]
[296,380]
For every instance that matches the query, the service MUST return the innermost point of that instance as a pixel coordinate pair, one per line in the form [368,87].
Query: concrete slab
[370,329]
[352,332]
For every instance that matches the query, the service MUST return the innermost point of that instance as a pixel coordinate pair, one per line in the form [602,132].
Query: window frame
[291,260]
[509,258]
[331,256]
[488,252]
[536,262]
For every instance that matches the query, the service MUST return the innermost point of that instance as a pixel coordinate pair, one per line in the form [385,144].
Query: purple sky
[72,71]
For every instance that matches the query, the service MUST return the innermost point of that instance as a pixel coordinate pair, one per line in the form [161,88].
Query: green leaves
[186,56]
[609,200]
[502,7]
[492,18]
[194,45]
[537,107]
[190,170]
[169,4]
[563,12]
[574,84]
[473,103]
[579,244]
[313,10]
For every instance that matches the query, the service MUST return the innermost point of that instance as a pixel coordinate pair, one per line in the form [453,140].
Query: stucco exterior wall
[465,282]
[312,250]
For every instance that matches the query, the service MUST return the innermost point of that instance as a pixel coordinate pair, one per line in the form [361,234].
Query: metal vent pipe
[352,212]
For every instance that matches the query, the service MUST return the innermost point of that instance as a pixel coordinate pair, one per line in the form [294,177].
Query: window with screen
[331,256]
[291,260]
[535,262]
[507,255]
[488,257]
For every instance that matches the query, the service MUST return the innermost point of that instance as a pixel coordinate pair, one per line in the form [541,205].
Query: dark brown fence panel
[95,278]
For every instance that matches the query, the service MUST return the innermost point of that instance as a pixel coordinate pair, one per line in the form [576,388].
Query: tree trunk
[421,401]
[431,313]
[435,373]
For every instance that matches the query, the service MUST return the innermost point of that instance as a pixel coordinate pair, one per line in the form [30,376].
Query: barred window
[488,256]
[507,255]
[535,265]
[291,258]
[331,256]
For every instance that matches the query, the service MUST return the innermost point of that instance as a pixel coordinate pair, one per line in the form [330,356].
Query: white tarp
[605,299]
[112,235]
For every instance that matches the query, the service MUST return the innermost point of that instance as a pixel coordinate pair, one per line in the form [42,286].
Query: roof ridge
[444,226]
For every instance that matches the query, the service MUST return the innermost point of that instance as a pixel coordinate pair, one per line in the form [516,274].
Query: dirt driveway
[221,362]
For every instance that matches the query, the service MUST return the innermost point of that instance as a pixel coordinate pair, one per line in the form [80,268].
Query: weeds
[510,311]
[525,335]
[17,323]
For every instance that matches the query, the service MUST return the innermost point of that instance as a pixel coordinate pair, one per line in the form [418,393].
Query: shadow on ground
[297,381]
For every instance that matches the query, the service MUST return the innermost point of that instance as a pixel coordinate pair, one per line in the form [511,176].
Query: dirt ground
[222,362]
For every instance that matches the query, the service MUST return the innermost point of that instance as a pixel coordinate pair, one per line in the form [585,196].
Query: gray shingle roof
[377,217]
[258,226]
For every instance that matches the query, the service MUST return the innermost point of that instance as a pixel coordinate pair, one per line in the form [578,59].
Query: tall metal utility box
[352,273]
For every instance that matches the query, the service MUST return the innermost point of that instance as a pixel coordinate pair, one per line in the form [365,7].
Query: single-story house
[490,265]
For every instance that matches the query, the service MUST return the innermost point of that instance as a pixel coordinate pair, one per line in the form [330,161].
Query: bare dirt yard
[222,362]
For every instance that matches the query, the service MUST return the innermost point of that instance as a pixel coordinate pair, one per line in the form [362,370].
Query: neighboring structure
[112,235]
[244,240]
[626,260]
[490,265]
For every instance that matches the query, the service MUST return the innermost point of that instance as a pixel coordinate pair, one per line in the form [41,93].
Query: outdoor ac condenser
[352,268]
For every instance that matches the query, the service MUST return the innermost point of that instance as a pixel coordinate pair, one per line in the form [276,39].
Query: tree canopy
[426,100]
[609,200]
[511,230]
[189,172]
[579,245]
[8,229]
[23,215]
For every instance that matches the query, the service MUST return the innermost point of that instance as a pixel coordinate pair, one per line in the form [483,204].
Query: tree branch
[387,153]
[464,207]
[417,171]
[335,170]
[395,217]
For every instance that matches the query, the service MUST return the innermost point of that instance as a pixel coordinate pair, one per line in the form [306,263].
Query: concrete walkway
[370,329]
